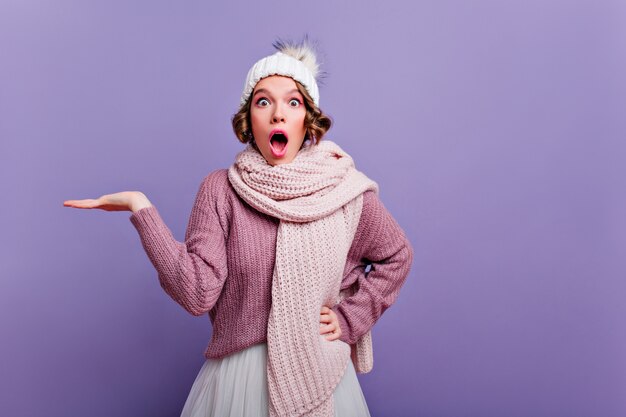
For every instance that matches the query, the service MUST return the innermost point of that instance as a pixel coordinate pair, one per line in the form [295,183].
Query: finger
[325,309]
[87,203]
[332,336]
[327,328]
[325,318]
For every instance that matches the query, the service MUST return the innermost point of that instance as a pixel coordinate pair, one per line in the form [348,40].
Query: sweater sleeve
[380,244]
[192,272]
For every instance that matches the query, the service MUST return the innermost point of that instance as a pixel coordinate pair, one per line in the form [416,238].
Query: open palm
[122,201]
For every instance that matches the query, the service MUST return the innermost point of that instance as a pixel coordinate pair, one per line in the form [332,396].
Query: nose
[278,115]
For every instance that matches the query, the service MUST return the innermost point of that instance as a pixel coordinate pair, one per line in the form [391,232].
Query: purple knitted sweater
[226,263]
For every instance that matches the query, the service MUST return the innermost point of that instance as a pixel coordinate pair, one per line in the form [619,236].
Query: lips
[278,142]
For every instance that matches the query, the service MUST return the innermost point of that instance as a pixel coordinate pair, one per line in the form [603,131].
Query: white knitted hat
[296,61]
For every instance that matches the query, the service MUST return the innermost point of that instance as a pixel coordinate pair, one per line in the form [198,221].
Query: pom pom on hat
[295,60]
[303,52]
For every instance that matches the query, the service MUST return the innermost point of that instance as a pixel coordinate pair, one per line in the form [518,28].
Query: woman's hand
[124,201]
[329,323]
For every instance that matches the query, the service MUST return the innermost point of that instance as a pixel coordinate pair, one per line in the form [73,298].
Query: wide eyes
[263,102]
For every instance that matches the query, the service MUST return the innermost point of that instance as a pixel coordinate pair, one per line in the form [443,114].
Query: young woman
[289,251]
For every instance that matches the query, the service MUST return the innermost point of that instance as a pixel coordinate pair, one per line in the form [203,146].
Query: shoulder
[215,191]
[370,197]
[372,207]
[216,185]
[216,180]
[376,221]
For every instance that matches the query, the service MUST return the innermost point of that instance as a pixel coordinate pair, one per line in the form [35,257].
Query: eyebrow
[263,90]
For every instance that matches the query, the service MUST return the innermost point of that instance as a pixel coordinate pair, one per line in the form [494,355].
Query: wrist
[140,202]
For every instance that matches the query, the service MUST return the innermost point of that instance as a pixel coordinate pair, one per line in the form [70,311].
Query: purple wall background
[495,129]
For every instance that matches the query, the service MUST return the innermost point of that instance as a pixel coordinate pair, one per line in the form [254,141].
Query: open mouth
[278,143]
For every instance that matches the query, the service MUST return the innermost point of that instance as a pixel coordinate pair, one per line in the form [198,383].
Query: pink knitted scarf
[318,199]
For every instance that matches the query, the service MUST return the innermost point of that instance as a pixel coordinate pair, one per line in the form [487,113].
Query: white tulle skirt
[236,386]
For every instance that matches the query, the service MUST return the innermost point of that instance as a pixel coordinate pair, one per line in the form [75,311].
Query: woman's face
[277,114]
